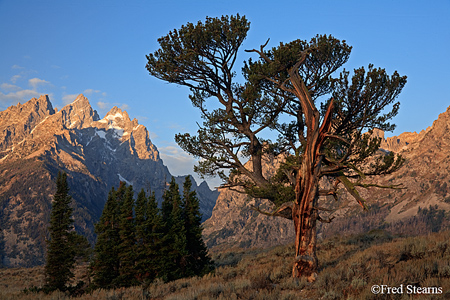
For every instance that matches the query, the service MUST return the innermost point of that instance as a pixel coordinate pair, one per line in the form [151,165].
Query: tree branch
[284,211]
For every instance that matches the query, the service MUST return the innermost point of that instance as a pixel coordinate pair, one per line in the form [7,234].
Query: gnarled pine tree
[292,89]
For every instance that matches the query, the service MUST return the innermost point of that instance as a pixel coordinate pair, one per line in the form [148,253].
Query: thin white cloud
[66,99]
[18,96]
[35,82]
[90,91]
[106,105]
[10,87]
[11,93]
[15,78]
[178,161]
[142,118]
[27,94]
[152,134]
[17,67]
[173,151]
[176,126]
[102,105]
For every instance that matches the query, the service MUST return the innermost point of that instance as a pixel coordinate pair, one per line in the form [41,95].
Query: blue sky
[64,48]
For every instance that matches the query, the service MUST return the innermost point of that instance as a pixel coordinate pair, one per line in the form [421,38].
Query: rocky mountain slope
[425,178]
[425,174]
[36,142]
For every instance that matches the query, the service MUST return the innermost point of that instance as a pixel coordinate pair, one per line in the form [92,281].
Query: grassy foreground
[349,268]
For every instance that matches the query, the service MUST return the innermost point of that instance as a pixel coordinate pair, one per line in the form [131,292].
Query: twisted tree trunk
[305,216]
[304,211]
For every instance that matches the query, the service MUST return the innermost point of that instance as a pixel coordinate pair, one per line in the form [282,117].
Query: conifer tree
[174,241]
[198,262]
[126,248]
[141,216]
[105,267]
[148,238]
[60,251]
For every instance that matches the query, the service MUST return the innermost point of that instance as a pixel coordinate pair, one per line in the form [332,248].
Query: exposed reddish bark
[304,211]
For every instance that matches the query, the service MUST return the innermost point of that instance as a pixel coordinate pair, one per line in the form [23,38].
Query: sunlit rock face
[37,141]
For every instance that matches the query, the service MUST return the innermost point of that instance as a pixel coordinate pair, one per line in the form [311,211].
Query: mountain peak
[115,113]
[41,99]
[442,121]
[80,102]
[37,105]
[17,121]
[81,98]
[79,113]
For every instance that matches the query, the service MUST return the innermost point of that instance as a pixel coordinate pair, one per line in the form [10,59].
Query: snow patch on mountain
[100,133]
[112,117]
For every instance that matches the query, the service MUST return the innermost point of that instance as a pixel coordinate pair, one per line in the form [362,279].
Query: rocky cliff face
[425,174]
[36,142]
[425,178]
[18,121]
[401,142]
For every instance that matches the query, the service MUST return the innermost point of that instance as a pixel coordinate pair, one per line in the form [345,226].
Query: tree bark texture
[304,212]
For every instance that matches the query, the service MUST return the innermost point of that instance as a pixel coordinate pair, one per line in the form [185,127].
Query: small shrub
[261,280]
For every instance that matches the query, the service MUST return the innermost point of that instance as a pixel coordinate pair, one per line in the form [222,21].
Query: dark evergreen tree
[137,242]
[82,248]
[148,238]
[61,250]
[197,262]
[126,248]
[141,246]
[174,240]
[106,263]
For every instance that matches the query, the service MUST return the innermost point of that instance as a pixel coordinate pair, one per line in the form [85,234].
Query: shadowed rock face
[36,142]
[425,177]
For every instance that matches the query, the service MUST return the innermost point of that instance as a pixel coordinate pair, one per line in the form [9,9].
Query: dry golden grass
[349,267]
